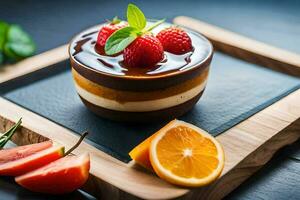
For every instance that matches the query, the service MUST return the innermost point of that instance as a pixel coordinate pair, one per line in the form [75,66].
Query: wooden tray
[248,145]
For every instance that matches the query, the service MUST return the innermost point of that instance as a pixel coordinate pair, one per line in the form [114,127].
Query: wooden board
[34,63]
[247,146]
[245,48]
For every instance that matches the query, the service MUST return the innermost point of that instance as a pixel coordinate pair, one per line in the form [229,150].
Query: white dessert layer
[141,106]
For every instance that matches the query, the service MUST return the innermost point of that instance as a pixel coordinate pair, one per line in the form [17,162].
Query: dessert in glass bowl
[139,70]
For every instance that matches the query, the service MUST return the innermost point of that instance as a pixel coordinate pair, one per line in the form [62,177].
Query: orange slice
[140,154]
[186,155]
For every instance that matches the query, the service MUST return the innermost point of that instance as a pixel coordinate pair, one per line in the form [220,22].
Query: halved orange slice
[140,153]
[186,155]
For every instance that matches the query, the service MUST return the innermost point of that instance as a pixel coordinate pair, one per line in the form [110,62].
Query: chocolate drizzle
[83,50]
[78,46]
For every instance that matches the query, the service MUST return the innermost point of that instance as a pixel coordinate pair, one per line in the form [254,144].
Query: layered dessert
[125,72]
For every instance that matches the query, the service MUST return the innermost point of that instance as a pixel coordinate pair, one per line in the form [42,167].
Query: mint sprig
[136,17]
[15,43]
[122,38]
[19,44]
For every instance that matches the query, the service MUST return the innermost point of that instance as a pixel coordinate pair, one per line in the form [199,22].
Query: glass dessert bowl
[120,92]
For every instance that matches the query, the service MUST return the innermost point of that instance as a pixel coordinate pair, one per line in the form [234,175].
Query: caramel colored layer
[129,96]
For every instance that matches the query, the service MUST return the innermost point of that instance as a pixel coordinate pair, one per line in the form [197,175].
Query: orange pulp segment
[186,155]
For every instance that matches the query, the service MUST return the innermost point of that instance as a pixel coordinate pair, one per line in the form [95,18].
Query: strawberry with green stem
[141,47]
[106,31]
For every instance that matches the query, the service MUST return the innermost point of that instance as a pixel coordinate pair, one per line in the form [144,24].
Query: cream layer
[141,106]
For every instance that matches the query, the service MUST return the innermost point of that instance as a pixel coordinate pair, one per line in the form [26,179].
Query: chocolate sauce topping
[83,50]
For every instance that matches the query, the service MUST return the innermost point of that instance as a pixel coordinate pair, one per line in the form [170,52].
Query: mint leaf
[120,39]
[18,44]
[3,32]
[19,50]
[1,58]
[136,17]
[10,55]
[18,35]
[15,43]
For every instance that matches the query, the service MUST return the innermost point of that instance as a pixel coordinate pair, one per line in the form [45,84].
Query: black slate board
[235,91]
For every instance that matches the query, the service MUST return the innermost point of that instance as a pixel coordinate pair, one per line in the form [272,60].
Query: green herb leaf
[1,58]
[120,39]
[9,54]
[150,28]
[19,44]
[136,17]
[19,50]
[8,134]
[15,43]
[17,35]
[3,32]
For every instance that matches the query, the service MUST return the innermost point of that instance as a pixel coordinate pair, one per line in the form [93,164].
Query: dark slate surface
[275,22]
[235,91]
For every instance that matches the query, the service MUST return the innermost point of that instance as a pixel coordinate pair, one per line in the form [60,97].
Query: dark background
[274,22]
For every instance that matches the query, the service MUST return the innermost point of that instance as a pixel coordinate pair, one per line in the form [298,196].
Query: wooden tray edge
[245,48]
[276,124]
[279,122]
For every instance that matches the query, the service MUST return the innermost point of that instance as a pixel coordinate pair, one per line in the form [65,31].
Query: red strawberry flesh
[145,52]
[175,40]
[105,32]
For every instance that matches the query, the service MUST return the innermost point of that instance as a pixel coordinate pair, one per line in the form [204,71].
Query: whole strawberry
[175,40]
[145,51]
[140,48]
[106,31]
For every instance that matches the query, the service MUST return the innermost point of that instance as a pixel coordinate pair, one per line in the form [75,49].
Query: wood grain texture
[34,63]
[281,174]
[247,146]
[245,48]
[107,169]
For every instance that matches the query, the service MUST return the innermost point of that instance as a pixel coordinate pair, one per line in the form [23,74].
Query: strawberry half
[145,51]
[175,40]
[106,31]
